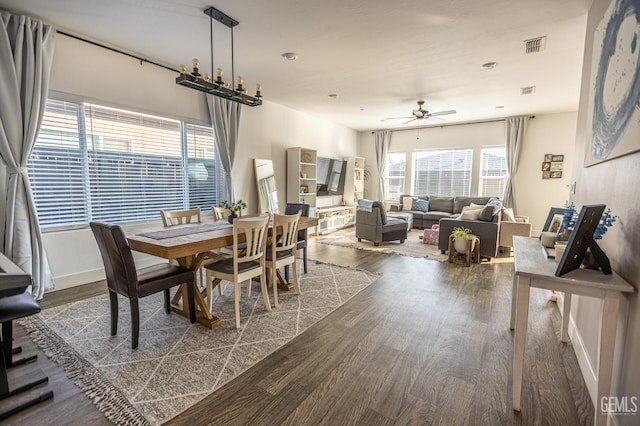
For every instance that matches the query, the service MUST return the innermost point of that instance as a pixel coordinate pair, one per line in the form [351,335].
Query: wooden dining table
[190,245]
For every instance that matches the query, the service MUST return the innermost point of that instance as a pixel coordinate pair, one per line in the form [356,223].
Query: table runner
[184,230]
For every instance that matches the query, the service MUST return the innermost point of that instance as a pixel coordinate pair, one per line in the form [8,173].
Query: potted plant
[235,208]
[461,236]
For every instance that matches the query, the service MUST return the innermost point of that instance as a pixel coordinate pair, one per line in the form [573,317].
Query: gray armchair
[376,227]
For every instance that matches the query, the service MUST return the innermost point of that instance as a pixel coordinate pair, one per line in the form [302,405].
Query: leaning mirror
[266,182]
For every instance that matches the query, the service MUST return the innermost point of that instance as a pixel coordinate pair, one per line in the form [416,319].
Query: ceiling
[378,56]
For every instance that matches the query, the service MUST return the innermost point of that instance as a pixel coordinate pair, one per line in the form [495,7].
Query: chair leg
[167,301]
[286,273]
[7,342]
[238,291]
[296,283]
[135,322]
[304,258]
[249,288]
[191,301]
[113,303]
[274,283]
[263,286]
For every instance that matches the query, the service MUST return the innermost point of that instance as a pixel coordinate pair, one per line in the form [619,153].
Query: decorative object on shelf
[461,235]
[304,189]
[306,157]
[235,209]
[218,87]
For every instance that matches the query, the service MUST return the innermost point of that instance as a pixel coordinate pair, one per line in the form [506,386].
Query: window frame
[386,178]
[469,152]
[482,178]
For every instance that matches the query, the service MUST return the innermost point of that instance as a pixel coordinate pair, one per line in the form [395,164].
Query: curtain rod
[452,124]
[118,51]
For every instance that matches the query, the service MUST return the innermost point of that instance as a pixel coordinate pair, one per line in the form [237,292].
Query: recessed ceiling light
[499,106]
[333,95]
[361,109]
[489,65]
[290,56]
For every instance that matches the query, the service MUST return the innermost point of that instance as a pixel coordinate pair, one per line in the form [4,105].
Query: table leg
[566,311]
[609,322]
[520,340]
[514,298]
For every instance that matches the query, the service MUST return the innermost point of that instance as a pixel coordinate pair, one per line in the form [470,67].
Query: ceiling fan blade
[397,118]
[451,111]
[431,117]
[407,122]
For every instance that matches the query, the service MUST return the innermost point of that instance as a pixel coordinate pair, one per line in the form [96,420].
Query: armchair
[376,227]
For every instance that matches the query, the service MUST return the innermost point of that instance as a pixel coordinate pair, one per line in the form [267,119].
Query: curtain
[515,129]
[26,56]
[382,147]
[225,119]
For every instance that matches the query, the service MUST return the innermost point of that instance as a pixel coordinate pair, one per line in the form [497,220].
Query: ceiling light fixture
[489,65]
[290,56]
[218,87]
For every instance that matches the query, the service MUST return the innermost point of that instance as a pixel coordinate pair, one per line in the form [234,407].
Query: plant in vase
[461,236]
[234,208]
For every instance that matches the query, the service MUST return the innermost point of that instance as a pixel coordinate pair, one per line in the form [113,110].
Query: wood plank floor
[428,343]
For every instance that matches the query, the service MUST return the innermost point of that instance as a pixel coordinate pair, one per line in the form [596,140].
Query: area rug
[412,246]
[178,363]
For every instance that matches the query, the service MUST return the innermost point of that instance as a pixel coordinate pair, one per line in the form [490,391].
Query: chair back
[285,232]
[179,217]
[293,208]
[119,266]
[219,213]
[254,230]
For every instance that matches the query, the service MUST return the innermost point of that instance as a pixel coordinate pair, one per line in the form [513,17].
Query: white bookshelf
[301,177]
[355,179]
[334,218]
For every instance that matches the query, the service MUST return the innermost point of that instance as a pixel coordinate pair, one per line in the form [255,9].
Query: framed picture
[546,166]
[557,158]
[546,174]
[556,175]
[548,157]
[556,167]
[304,189]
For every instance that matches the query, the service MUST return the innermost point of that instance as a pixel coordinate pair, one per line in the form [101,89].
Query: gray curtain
[382,147]
[225,118]
[26,55]
[515,130]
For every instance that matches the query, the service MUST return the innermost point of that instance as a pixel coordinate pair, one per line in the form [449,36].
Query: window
[394,175]
[443,173]
[493,172]
[123,166]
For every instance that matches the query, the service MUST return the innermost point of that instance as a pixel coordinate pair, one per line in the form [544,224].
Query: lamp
[218,87]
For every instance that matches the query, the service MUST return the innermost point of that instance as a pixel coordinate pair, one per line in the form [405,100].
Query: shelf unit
[301,177]
[355,177]
[334,218]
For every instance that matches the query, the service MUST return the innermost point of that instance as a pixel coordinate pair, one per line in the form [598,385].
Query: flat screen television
[330,174]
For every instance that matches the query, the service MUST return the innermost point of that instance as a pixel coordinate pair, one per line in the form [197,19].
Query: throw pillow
[476,205]
[407,203]
[470,213]
[507,214]
[492,207]
[420,205]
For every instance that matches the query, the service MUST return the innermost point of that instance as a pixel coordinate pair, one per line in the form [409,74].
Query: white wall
[614,183]
[85,72]
[550,133]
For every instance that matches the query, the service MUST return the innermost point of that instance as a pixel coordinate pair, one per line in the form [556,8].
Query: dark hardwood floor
[428,343]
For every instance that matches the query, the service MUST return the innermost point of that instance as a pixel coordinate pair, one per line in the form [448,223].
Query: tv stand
[335,217]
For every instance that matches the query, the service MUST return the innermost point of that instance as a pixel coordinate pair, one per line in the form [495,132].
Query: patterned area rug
[412,246]
[178,363]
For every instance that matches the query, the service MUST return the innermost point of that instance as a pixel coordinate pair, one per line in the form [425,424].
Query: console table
[534,269]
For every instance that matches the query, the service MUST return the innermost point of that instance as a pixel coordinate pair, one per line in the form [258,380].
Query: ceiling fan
[421,114]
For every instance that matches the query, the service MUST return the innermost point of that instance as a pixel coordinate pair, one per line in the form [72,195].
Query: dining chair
[218,213]
[123,278]
[293,208]
[282,250]
[245,264]
[178,217]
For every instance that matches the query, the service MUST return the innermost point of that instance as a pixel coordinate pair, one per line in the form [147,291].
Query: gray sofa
[439,208]
[376,227]
[487,232]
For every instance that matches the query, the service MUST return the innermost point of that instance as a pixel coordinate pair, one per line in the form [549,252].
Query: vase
[231,217]
[460,244]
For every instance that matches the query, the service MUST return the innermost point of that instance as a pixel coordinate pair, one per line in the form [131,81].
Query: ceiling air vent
[535,45]
[527,90]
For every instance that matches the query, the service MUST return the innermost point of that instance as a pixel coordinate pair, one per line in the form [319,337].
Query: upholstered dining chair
[178,217]
[293,208]
[245,264]
[123,278]
[282,250]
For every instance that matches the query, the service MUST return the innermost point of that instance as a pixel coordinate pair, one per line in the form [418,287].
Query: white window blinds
[203,167]
[443,173]
[493,172]
[394,175]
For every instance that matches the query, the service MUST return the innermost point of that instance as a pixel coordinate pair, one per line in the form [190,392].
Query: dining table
[191,245]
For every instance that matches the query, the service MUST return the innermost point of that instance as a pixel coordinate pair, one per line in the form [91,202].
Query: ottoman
[407,217]
[430,236]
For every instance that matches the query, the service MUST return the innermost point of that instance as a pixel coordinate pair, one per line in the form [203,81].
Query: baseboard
[86,277]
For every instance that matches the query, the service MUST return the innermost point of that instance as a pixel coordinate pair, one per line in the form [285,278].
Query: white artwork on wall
[613,117]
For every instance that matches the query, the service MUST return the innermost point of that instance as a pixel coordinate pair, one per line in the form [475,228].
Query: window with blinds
[394,175]
[493,172]
[442,173]
[96,163]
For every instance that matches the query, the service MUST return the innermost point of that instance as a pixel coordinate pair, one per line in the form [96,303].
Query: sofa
[436,208]
[372,224]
